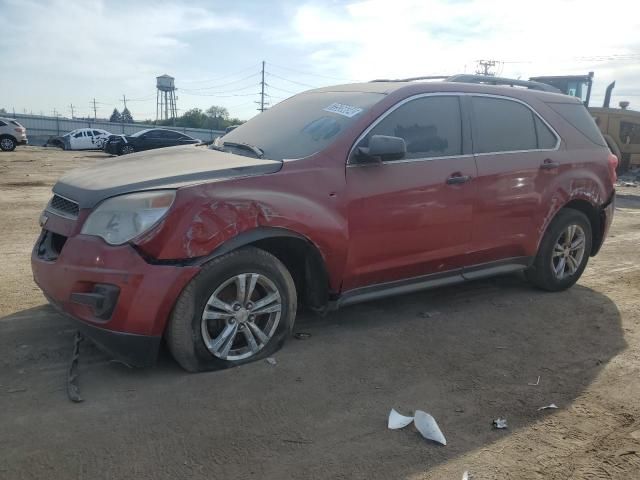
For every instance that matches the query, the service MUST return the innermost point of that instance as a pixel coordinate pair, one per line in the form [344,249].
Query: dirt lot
[466,354]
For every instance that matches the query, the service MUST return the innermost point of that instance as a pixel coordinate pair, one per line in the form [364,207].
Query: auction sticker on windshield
[342,109]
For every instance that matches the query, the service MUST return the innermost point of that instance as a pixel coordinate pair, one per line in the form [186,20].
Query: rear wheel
[127,149]
[7,144]
[241,307]
[563,253]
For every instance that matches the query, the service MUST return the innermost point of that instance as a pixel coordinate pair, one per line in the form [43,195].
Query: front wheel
[241,307]
[563,253]
[127,149]
[7,144]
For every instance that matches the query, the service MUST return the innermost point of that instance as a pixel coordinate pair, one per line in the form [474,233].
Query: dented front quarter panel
[305,197]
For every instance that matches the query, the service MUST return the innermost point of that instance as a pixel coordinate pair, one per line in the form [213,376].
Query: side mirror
[381,148]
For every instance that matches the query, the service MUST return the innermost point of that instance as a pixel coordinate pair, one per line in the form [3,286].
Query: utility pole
[262,90]
[124,101]
[95,110]
[484,67]
[71,107]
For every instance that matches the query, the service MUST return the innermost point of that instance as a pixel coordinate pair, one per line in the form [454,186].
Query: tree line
[213,118]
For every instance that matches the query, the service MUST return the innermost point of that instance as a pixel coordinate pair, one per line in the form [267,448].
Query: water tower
[166,98]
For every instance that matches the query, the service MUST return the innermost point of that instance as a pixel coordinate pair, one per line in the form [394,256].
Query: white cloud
[96,38]
[403,38]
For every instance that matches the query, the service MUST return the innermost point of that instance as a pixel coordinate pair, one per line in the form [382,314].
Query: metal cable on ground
[73,390]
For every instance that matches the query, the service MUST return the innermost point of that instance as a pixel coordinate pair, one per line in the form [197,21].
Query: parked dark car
[146,140]
[332,197]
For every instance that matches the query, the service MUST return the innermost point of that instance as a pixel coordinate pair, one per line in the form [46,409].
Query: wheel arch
[593,213]
[298,253]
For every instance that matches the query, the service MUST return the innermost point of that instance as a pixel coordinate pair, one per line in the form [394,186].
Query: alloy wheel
[6,144]
[568,252]
[241,316]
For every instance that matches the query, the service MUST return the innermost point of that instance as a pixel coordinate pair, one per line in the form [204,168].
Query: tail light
[19,130]
[613,164]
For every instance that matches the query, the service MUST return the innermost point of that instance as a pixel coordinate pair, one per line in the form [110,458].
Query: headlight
[119,219]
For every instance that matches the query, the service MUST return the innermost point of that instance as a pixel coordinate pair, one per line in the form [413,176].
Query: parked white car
[81,139]
[11,134]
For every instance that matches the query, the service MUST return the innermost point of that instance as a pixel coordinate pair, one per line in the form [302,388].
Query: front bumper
[112,148]
[128,324]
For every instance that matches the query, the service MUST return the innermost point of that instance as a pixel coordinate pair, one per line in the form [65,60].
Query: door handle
[549,164]
[457,179]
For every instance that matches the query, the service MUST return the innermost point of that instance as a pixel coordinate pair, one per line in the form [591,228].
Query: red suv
[332,197]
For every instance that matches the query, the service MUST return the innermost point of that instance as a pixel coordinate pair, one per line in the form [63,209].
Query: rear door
[80,140]
[516,155]
[413,216]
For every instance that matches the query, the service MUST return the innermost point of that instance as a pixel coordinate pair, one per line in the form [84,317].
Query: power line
[215,79]
[310,74]
[213,87]
[282,89]
[292,81]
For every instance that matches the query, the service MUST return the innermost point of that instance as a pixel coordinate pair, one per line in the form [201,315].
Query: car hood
[171,167]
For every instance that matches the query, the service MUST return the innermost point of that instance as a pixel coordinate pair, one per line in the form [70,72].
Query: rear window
[16,123]
[578,116]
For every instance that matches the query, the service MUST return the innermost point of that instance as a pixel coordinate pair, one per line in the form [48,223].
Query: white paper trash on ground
[428,427]
[397,420]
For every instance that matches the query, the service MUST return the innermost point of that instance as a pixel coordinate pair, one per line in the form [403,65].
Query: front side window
[78,135]
[98,133]
[502,126]
[430,126]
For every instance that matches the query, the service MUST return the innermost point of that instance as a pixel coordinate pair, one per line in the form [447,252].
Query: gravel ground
[466,354]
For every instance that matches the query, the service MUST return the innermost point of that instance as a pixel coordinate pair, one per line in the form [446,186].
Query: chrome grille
[64,206]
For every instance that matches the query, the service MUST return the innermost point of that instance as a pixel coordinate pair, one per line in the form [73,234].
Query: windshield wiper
[258,152]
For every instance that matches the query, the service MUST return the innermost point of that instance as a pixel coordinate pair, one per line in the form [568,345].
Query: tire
[197,344]
[7,144]
[548,271]
[127,149]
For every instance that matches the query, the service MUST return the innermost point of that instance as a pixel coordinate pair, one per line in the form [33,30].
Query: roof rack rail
[483,79]
[412,79]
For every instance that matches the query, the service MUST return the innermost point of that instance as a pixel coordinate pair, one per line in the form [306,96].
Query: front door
[412,216]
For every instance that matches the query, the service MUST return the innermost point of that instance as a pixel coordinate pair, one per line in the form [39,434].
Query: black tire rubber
[183,334]
[13,145]
[540,274]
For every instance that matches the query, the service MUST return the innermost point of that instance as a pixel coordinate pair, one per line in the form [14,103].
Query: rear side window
[578,116]
[171,135]
[430,126]
[502,126]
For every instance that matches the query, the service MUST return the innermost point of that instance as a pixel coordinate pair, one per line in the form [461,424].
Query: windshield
[302,125]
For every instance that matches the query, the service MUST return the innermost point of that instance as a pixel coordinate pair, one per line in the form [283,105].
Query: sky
[58,53]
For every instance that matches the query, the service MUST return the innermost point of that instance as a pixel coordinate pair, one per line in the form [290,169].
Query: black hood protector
[170,167]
